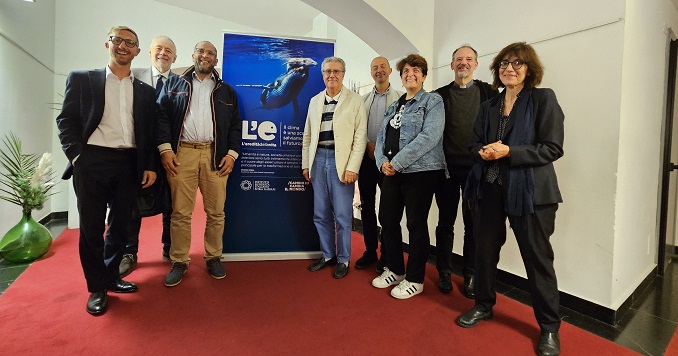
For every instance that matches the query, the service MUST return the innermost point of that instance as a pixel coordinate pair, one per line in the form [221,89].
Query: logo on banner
[245,185]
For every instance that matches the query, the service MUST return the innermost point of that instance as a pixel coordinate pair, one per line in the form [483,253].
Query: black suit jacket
[83,109]
[545,148]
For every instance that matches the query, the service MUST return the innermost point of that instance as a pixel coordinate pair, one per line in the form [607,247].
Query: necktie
[158,86]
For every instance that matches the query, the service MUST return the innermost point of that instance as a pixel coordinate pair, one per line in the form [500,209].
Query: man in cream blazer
[335,136]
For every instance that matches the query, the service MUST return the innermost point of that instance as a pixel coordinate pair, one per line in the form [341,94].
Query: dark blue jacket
[83,109]
[175,100]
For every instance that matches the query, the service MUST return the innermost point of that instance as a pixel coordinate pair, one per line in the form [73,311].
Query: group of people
[465,141]
[123,129]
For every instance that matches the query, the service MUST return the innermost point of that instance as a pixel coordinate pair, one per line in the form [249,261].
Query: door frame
[667,166]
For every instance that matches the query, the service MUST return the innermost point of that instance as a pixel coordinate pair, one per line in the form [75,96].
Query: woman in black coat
[518,136]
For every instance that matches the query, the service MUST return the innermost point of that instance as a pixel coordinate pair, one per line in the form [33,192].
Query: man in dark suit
[163,55]
[106,130]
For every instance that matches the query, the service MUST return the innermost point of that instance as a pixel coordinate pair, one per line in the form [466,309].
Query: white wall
[27,86]
[642,114]
[414,20]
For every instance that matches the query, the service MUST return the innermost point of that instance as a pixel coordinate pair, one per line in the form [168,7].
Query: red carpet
[260,308]
[672,349]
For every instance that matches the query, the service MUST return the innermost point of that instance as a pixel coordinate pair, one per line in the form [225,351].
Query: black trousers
[532,233]
[102,176]
[447,198]
[368,179]
[413,193]
[132,245]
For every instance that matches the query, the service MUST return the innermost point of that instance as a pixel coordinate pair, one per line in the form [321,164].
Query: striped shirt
[326,138]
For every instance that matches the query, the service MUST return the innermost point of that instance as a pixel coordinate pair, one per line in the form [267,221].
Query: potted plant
[27,184]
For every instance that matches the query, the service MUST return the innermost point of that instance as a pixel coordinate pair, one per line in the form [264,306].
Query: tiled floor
[646,328]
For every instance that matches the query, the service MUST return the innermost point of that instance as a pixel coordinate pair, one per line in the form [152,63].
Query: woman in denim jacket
[409,153]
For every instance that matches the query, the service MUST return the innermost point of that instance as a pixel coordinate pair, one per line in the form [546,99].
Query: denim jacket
[421,135]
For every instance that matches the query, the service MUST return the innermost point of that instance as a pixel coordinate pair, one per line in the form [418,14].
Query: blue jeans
[332,207]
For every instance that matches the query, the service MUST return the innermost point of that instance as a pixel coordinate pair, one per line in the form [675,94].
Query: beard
[203,70]
[463,75]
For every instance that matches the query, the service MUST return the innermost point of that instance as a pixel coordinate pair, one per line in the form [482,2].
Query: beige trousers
[194,171]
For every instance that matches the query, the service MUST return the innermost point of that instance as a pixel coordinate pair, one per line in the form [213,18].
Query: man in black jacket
[199,141]
[106,130]
[462,99]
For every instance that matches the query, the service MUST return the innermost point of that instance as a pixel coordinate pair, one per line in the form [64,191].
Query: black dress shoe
[549,344]
[472,317]
[469,286]
[321,263]
[97,303]
[366,260]
[121,286]
[445,282]
[340,271]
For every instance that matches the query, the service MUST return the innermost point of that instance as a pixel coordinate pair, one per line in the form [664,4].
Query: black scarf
[520,185]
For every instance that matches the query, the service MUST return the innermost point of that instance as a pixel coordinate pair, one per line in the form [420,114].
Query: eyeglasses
[333,71]
[117,41]
[207,52]
[517,64]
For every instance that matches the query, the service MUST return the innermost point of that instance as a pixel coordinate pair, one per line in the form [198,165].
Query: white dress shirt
[116,129]
[198,126]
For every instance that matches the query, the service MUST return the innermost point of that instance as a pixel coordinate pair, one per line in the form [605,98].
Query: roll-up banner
[269,205]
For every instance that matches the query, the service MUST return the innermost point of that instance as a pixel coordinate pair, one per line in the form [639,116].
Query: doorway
[669,184]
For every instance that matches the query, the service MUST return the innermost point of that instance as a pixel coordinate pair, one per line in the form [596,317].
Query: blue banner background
[269,205]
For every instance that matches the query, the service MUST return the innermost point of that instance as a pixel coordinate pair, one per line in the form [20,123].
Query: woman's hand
[388,169]
[494,151]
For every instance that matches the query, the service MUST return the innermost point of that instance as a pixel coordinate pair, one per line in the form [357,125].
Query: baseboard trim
[588,308]
[55,215]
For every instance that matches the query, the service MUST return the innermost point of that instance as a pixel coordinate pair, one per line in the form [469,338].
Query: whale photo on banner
[269,210]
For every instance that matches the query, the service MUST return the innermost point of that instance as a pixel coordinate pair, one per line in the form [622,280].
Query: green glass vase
[26,241]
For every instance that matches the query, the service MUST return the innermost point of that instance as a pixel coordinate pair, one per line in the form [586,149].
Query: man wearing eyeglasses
[199,141]
[335,136]
[106,130]
[461,99]
[163,55]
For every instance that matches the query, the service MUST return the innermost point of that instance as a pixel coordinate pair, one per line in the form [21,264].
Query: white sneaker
[386,279]
[407,289]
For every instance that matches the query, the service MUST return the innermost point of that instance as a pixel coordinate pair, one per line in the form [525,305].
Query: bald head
[204,58]
[380,70]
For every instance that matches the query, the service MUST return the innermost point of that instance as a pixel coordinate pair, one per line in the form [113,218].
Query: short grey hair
[465,45]
[166,38]
[334,59]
